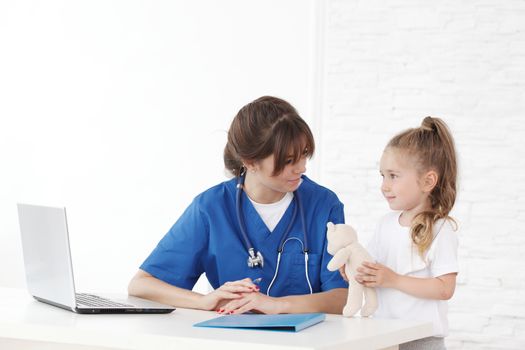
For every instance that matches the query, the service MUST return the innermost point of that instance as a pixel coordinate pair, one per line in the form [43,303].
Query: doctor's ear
[250,166]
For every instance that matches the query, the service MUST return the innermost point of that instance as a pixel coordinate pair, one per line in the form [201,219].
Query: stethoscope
[256,259]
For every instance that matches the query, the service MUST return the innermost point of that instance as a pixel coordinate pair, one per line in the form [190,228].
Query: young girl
[415,247]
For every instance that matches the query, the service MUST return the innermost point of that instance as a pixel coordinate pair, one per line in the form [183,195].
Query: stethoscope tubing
[284,239]
[242,225]
[240,217]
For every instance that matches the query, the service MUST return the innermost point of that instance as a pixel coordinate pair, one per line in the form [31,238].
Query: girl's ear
[430,180]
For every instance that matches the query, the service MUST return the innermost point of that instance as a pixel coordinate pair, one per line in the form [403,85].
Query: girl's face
[402,184]
[273,187]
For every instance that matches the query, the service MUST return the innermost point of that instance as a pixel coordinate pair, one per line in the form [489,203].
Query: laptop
[49,271]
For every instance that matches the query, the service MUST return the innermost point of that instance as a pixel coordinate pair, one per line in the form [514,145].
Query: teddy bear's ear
[330,226]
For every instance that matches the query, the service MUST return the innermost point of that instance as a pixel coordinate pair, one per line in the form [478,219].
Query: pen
[257,280]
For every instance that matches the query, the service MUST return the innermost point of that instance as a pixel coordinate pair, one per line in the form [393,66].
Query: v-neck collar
[257,230]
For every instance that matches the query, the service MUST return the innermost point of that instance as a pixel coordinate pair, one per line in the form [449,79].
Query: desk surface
[23,318]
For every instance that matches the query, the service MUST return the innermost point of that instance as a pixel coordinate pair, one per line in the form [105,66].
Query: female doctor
[260,237]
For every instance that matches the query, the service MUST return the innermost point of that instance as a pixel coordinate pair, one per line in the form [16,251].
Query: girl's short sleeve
[443,254]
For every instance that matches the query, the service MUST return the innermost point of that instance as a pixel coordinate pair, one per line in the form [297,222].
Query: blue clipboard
[281,322]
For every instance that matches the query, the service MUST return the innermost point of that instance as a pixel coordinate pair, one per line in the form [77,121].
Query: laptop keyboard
[91,300]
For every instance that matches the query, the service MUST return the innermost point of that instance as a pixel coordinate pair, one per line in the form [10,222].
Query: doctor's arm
[331,302]
[146,286]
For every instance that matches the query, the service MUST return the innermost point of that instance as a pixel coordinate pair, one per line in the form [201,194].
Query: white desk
[28,324]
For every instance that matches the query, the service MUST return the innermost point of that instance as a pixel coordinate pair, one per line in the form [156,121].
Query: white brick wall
[386,65]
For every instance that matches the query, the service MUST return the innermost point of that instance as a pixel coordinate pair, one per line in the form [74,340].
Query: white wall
[118,110]
[387,65]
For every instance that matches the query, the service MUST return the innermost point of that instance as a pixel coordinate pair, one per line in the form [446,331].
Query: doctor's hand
[376,275]
[255,302]
[228,291]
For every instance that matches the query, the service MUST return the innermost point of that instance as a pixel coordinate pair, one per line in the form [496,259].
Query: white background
[118,110]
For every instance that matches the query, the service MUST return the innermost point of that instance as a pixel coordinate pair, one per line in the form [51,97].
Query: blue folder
[282,322]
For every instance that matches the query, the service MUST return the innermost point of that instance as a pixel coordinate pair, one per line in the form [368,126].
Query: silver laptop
[49,271]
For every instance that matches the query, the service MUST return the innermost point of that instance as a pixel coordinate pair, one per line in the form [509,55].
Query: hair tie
[428,124]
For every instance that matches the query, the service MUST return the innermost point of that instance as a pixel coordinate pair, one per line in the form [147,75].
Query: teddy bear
[346,250]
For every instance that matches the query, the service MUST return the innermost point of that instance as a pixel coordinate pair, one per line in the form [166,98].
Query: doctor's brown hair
[431,147]
[266,126]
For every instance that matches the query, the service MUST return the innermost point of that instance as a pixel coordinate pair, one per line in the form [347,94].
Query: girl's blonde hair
[432,148]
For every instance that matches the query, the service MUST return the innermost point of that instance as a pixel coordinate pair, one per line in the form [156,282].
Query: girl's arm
[378,275]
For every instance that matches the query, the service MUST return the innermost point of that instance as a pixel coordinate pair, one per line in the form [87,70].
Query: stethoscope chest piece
[255,260]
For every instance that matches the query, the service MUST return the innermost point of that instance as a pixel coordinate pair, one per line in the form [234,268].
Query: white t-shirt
[272,213]
[392,246]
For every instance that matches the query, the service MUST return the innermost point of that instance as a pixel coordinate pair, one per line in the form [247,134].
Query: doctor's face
[287,181]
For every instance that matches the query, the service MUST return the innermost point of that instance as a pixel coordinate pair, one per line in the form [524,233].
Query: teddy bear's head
[339,236]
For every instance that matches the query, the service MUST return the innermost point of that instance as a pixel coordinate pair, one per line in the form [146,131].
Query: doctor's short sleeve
[443,253]
[332,279]
[177,259]
[337,214]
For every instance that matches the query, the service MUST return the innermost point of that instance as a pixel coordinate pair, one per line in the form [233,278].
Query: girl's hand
[255,302]
[227,292]
[343,273]
[376,275]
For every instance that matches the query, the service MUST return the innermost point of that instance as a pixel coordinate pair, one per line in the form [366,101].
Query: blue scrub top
[207,239]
